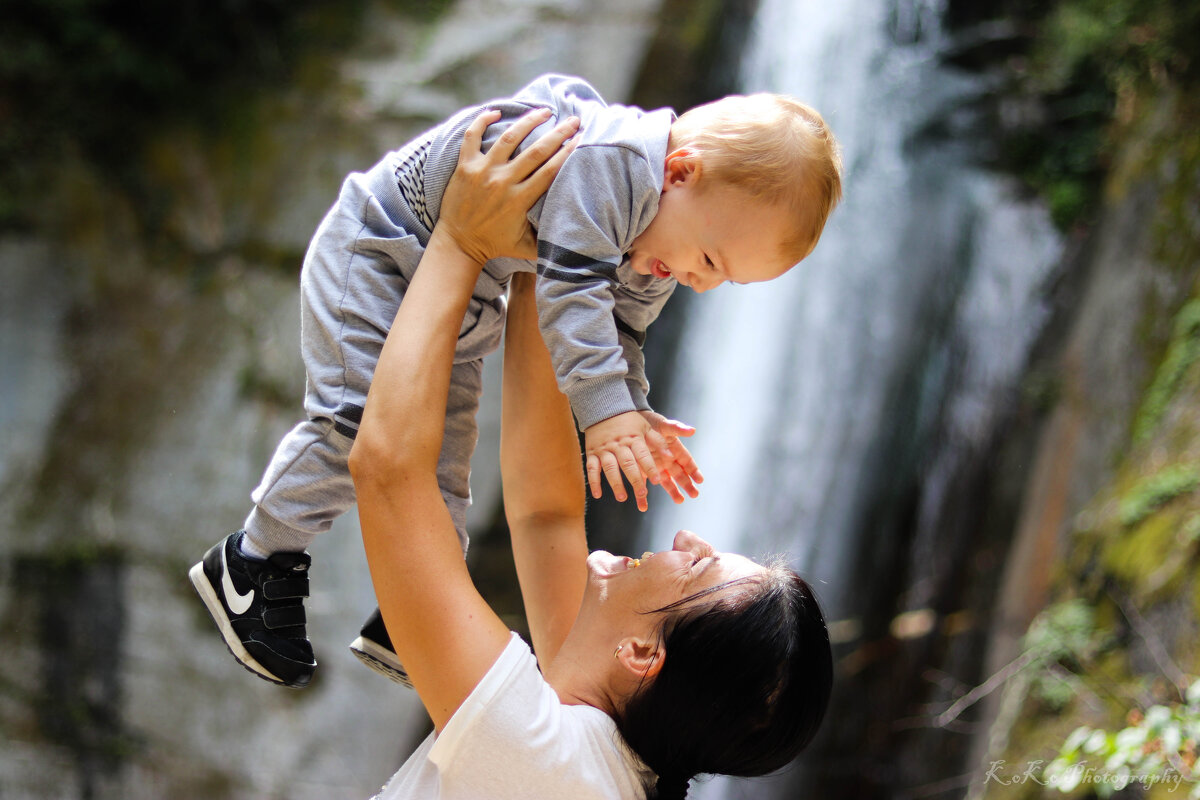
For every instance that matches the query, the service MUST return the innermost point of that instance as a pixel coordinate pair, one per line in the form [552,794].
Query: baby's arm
[593,312]
[640,445]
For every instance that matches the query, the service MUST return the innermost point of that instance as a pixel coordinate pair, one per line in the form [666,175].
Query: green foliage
[1182,353]
[1063,630]
[1177,230]
[1128,44]
[1062,157]
[1089,62]
[93,69]
[1158,747]
[1062,638]
[95,76]
[1155,491]
[1189,533]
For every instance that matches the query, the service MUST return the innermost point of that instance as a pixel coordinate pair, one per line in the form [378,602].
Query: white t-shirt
[513,738]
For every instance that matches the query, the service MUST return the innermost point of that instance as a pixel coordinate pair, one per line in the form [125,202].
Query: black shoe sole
[379,660]
[217,610]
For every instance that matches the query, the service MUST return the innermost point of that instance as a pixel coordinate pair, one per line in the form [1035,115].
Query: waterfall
[890,352]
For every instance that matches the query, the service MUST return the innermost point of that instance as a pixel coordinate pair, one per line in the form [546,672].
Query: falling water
[891,351]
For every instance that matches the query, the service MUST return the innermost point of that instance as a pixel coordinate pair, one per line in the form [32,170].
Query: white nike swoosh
[238,603]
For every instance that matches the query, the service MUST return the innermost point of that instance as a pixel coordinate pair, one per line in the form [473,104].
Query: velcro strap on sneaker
[286,617]
[284,588]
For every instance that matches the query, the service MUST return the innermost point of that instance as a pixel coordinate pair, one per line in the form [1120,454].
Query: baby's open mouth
[659,269]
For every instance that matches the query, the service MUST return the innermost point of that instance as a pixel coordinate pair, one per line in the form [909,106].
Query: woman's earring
[617,652]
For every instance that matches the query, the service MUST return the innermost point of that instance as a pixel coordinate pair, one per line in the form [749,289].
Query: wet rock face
[75,606]
[150,359]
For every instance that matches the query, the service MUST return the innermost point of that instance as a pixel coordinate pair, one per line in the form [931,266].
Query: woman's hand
[443,631]
[485,205]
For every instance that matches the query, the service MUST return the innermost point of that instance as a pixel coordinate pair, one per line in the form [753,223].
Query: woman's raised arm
[543,479]
[444,633]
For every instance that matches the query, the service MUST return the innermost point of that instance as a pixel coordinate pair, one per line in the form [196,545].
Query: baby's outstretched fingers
[646,461]
[592,463]
[673,427]
[677,478]
[612,473]
[630,461]
[667,480]
[683,457]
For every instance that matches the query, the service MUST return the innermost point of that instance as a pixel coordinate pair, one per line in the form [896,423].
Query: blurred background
[970,418]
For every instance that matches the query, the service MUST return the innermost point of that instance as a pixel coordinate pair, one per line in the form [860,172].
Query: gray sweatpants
[355,273]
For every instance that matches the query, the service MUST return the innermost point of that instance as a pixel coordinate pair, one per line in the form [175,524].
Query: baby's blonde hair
[773,147]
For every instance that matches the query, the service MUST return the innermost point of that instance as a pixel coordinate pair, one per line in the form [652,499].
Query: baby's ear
[683,164]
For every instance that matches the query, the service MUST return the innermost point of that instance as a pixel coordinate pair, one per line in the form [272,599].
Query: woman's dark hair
[743,686]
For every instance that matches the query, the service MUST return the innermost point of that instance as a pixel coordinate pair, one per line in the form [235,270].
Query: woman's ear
[682,165]
[641,658]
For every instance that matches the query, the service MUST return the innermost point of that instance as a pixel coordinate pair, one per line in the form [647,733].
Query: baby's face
[704,237]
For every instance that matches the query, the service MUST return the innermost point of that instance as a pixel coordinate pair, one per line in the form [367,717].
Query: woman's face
[638,586]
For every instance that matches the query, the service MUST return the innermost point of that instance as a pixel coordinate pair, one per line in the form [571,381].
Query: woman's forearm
[543,479]
[404,416]
[539,446]
[442,629]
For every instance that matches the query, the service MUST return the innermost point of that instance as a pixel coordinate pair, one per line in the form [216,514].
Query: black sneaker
[374,648]
[259,608]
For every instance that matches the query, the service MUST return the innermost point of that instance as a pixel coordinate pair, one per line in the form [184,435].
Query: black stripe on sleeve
[346,419]
[624,327]
[551,256]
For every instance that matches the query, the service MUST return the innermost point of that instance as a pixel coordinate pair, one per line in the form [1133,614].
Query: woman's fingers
[536,162]
[472,142]
[511,139]
[539,182]
[530,173]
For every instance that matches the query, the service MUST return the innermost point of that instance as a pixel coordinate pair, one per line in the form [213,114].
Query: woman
[652,670]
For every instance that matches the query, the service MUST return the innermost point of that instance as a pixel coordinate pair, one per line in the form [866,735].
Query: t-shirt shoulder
[515,737]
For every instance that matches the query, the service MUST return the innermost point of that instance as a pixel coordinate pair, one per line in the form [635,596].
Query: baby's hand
[619,445]
[676,466]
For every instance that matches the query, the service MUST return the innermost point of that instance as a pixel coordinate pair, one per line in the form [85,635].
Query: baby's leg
[305,487]
[354,278]
[254,583]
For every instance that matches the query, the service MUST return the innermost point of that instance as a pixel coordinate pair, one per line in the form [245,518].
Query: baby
[737,190]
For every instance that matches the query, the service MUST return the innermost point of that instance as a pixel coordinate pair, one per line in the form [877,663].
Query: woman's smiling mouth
[606,564]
